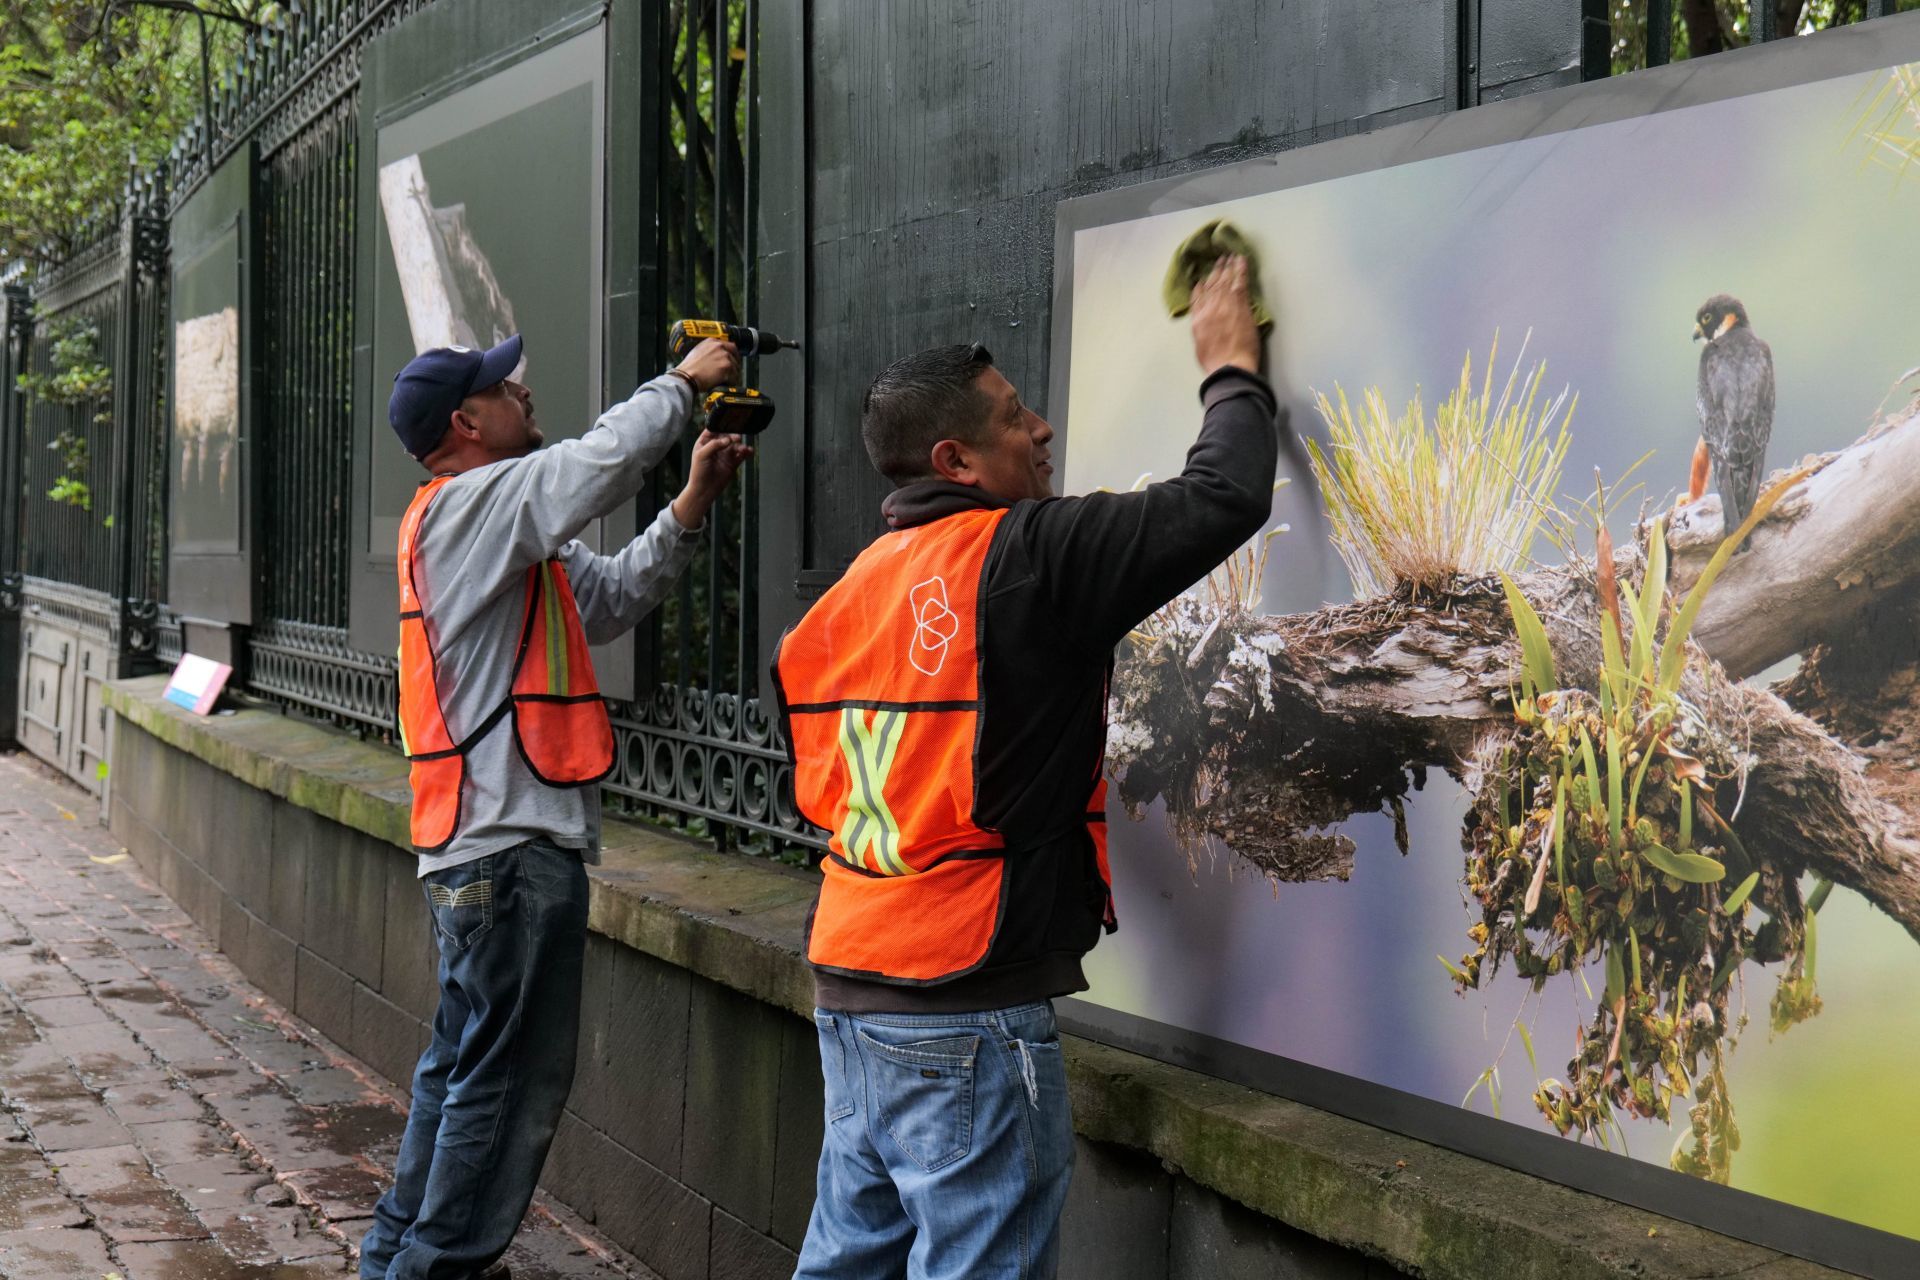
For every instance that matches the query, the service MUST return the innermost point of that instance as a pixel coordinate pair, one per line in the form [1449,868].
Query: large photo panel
[205,472]
[489,205]
[211,508]
[1511,241]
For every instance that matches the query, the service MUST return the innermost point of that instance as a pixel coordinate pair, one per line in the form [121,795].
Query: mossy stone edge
[1423,1209]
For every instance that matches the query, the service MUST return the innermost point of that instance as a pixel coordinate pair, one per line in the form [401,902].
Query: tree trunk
[1704,33]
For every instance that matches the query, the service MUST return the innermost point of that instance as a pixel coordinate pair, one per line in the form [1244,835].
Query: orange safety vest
[880,694]
[559,720]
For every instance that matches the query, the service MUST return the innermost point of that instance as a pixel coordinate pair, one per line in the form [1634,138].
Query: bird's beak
[1697,335]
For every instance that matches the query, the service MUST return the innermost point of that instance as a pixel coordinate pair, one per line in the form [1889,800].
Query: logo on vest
[934,626]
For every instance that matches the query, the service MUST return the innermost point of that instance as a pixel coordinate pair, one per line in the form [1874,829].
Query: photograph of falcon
[1735,400]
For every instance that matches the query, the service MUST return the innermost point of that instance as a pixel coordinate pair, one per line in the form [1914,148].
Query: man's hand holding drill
[716,459]
[713,363]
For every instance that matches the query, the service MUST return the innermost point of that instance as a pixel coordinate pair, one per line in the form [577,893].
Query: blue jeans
[948,1148]
[512,931]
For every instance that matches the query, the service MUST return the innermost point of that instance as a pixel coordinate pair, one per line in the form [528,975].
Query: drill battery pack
[738,411]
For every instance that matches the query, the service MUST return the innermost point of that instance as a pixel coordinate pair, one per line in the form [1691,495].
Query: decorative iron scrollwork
[312,668]
[139,629]
[169,642]
[87,611]
[148,242]
[711,758]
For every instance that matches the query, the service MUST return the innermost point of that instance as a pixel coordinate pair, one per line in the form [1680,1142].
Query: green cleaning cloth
[1195,258]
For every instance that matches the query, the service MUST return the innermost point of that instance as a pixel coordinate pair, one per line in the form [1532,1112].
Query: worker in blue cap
[506,734]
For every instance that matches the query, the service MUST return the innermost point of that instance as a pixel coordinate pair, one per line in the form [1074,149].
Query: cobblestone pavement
[164,1119]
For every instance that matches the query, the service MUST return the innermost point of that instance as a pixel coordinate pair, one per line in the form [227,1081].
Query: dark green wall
[915,154]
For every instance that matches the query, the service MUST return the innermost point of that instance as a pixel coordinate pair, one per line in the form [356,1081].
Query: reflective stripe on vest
[560,723]
[881,703]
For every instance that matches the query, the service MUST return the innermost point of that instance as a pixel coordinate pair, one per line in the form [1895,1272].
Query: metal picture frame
[1768,1222]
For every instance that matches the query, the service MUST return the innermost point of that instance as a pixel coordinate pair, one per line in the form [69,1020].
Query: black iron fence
[67,450]
[86,444]
[300,655]
[85,365]
[701,748]
[696,748]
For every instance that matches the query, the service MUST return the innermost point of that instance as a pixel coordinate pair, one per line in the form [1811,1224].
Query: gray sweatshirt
[483,531]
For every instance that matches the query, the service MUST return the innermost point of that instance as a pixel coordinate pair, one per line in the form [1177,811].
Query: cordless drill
[731,411]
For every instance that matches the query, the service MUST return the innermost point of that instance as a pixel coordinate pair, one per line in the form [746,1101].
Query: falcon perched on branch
[1735,400]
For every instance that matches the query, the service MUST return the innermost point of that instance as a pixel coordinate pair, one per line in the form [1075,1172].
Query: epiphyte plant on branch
[1600,830]
[1418,502]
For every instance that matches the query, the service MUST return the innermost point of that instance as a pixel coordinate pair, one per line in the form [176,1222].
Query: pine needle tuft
[1416,501]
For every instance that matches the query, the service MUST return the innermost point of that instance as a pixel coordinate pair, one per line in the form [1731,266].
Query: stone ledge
[738,922]
[1423,1208]
[733,920]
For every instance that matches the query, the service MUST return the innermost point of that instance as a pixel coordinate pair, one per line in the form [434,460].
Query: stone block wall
[695,1120]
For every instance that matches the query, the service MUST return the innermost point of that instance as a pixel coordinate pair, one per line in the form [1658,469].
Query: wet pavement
[164,1119]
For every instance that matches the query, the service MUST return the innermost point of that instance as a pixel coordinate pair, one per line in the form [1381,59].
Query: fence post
[1596,39]
[1462,55]
[1659,32]
[14,340]
[143,250]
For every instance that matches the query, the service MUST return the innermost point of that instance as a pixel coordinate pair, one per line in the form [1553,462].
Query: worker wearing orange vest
[945,707]
[506,733]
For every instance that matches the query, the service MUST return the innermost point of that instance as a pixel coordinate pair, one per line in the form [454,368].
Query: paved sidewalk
[164,1119]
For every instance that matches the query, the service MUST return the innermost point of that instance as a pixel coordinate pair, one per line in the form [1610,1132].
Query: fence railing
[695,748]
[67,454]
[701,749]
[85,361]
[300,654]
[87,466]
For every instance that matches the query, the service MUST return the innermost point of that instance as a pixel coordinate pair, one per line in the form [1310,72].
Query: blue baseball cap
[433,384]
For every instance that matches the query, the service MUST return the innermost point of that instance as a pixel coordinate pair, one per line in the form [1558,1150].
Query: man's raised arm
[1111,559]
[514,504]
[616,591]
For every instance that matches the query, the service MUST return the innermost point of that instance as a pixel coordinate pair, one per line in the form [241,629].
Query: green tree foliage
[1701,27]
[93,91]
[78,380]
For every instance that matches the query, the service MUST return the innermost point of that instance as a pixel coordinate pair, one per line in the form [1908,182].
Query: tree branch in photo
[1264,732]
[1632,803]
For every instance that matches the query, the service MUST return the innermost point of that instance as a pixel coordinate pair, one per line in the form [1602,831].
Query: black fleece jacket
[1066,579]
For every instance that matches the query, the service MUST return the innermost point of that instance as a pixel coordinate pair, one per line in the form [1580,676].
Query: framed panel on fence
[211,504]
[1589,231]
[486,211]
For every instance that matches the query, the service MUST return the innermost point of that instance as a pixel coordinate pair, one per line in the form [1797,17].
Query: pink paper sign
[197,683]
